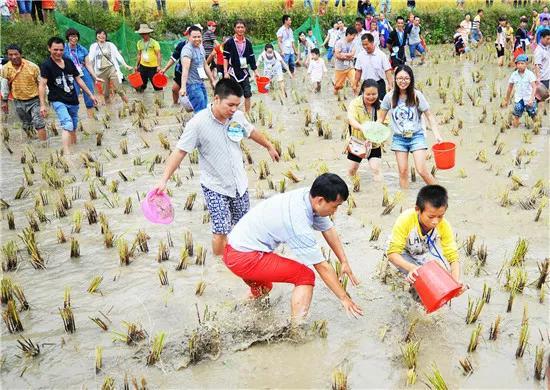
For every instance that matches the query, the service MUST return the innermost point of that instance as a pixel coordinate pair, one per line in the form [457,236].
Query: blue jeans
[67,115]
[330,53]
[87,78]
[476,35]
[413,48]
[290,60]
[24,6]
[412,144]
[520,107]
[197,96]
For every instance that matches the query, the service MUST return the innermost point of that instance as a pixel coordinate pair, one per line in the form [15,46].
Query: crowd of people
[373,56]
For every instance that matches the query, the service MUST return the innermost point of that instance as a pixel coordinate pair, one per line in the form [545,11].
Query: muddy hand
[412,275]
[351,308]
[346,270]
[160,187]
[274,154]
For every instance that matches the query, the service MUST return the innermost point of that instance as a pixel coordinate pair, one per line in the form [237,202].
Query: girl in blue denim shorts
[406,106]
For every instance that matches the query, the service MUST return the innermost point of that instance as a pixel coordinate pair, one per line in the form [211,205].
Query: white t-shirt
[522,85]
[333,36]
[542,59]
[316,69]
[373,66]
[272,66]
[287,38]
[406,119]
[357,42]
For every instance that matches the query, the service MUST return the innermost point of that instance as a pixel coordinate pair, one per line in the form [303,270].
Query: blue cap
[521,58]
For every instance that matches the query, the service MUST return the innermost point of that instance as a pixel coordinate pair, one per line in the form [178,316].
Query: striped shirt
[220,156]
[476,23]
[208,39]
[284,218]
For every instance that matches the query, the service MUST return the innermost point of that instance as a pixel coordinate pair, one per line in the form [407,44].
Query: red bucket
[135,79]
[444,155]
[263,84]
[160,80]
[435,286]
[99,87]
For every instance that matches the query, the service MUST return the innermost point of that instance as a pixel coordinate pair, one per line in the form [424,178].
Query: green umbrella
[375,132]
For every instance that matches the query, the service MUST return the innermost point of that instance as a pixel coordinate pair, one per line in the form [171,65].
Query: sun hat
[144,29]
[522,58]
[211,23]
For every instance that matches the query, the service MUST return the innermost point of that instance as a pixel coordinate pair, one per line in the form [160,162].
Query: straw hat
[144,29]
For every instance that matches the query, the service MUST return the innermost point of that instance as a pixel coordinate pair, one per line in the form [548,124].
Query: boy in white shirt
[316,69]
[524,82]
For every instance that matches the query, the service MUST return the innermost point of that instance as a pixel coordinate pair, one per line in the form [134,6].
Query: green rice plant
[292,176]
[29,239]
[75,247]
[206,218]
[356,182]
[68,319]
[41,213]
[164,142]
[108,238]
[163,252]
[156,348]
[466,366]
[99,322]
[199,289]
[413,175]
[134,333]
[67,297]
[436,379]
[482,156]
[264,170]
[510,300]
[108,383]
[188,239]
[394,202]
[92,191]
[200,258]
[486,295]
[77,221]
[385,196]
[20,295]
[482,254]
[518,258]
[11,318]
[494,330]
[323,168]
[542,205]
[523,338]
[123,146]
[163,276]
[474,338]
[539,357]
[194,157]
[375,233]
[6,290]
[190,201]
[469,245]
[504,200]
[124,252]
[541,294]
[60,235]
[98,358]
[94,284]
[184,260]
[321,328]
[28,348]
[339,379]
[9,254]
[474,310]
[516,280]
[282,185]
[141,241]
[409,353]
[544,268]
[411,377]
[11,220]
[113,186]
[91,213]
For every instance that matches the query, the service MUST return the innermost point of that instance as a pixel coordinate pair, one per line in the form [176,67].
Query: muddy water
[369,348]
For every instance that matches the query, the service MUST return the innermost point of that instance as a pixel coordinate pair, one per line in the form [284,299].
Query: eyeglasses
[403,79]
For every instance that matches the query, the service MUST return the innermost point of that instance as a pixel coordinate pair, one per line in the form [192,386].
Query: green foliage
[32,38]
[93,16]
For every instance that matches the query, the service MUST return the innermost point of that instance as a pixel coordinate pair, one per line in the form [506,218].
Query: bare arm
[85,88]
[90,68]
[42,95]
[533,91]
[185,64]
[138,60]
[433,125]
[159,60]
[455,271]
[168,65]
[259,138]
[389,77]
[280,44]
[358,73]
[508,94]
[209,74]
[382,116]
[173,163]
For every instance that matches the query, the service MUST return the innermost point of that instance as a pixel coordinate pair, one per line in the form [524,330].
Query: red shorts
[261,269]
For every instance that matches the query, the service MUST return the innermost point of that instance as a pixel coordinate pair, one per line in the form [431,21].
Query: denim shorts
[476,35]
[520,107]
[290,60]
[67,115]
[330,53]
[404,144]
[416,47]
[225,211]
[197,96]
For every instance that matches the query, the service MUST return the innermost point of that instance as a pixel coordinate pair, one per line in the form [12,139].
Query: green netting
[125,39]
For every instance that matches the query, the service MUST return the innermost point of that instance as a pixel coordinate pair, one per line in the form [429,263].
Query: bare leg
[66,140]
[107,91]
[515,121]
[90,112]
[219,241]
[42,136]
[73,137]
[175,93]
[375,165]
[247,104]
[299,304]
[403,168]
[353,167]
[419,157]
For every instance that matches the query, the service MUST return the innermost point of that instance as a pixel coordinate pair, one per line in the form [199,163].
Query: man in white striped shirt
[216,132]
[292,218]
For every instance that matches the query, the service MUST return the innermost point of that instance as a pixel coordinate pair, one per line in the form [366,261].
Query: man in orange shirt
[20,78]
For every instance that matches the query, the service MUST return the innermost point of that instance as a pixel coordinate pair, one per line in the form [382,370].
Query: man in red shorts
[292,218]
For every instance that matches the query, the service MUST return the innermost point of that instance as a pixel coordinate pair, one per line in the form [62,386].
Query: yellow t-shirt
[149,52]
[407,237]
[23,84]
[357,110]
